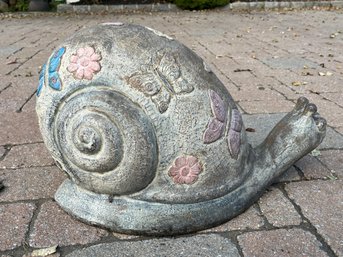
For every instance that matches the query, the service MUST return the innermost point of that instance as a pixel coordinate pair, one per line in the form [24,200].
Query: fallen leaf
[328,73]
[331,177]
[29,74]
[250,130]
[306,73]
[44,251]
[296,83]
[12,61]
[241,70]
[315,153]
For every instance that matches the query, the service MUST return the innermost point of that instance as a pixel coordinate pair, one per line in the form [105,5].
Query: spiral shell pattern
[107,143]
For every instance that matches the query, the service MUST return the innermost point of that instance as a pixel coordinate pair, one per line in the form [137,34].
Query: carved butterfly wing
[145,83]
[41,80]
[161,100]
[55,60]
[217,106]
[234,142]
[54,64]
[170,71]
[55,81]
[214,131]
[216,126]
[234,135]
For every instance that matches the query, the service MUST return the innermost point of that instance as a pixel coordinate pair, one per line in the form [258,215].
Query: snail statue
[151,140]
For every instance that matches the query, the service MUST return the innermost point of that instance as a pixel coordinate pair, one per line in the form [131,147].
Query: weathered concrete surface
[199,245]
[235,53]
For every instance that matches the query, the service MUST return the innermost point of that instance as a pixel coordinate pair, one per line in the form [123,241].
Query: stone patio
[265,59]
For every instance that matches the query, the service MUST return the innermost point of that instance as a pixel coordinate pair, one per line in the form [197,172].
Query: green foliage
[53,4]
[20,6]
[200,4]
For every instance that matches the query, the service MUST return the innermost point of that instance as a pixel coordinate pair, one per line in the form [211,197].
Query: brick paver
[265,59]
[278,210]
[333,159]
[281,243]
[15,219]
[322,203]
[30,183]
[53,226]
[312,168]
[26,156]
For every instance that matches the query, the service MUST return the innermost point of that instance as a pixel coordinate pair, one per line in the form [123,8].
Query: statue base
[130,216]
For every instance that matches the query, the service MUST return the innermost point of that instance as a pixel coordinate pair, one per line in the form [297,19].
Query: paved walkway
[266,60]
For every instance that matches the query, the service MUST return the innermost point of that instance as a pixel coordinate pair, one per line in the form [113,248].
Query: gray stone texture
[198,245]
[281,243]
[321,202]
[337,4]
[239,6]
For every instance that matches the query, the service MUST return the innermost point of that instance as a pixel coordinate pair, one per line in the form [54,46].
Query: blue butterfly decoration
[54,79]
[41,80]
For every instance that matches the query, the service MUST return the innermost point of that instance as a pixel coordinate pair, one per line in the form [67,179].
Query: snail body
[131,114]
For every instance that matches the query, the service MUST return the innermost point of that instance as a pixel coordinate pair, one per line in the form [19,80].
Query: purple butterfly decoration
[234,135]
[216,125]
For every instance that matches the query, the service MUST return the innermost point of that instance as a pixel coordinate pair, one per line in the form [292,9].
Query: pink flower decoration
[85,63]
[185,170]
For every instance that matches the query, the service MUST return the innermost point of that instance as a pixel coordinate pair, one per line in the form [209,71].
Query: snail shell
[97,136]
[126,110]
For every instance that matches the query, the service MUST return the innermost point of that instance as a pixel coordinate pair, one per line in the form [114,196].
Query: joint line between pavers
[26,101]
[307,225]
[21,64]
